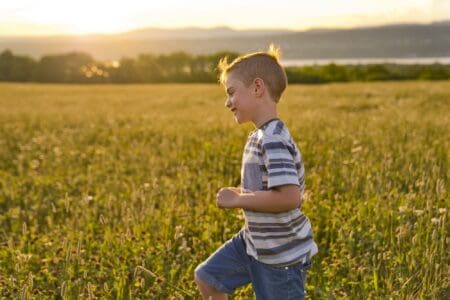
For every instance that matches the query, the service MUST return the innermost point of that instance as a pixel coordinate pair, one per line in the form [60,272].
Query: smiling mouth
[233,110]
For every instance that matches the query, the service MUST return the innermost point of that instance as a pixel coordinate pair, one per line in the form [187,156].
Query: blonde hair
[264,65]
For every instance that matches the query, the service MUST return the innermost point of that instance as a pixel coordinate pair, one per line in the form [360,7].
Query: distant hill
[401,41]
[190,33]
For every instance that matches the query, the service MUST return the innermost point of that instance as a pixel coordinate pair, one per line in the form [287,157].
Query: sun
[84,17]
[95,20]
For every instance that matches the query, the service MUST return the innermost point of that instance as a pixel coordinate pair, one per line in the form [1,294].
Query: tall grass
[108,191]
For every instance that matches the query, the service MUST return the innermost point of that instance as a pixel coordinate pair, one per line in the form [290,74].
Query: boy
[273,250]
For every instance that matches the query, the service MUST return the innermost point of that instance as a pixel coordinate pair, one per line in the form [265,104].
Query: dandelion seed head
[418,212]
[403,209]
[435,221]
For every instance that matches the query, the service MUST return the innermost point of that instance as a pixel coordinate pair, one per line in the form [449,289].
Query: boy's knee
[204,287]
[199,281]
[196,278]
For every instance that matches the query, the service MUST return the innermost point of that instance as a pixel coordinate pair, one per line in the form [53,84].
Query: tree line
[77,67]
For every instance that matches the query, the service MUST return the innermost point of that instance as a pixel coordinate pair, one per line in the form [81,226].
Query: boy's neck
[265,117]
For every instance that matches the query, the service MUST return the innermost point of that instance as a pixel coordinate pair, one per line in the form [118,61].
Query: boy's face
[240,99]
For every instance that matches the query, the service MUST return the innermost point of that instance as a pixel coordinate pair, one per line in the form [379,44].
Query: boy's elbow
[291,195]
[295,202]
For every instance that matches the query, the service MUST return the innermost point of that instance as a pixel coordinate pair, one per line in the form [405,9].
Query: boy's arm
[278,199]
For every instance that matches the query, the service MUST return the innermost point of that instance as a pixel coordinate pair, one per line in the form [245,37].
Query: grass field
[109,191]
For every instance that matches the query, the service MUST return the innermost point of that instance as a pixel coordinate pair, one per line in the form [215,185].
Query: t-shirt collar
[267,123]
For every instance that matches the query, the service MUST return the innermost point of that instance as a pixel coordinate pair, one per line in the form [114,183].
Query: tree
[62,68]
[127,72]
[15,68]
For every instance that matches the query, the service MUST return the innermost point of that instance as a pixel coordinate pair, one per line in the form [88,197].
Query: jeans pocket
[306,265]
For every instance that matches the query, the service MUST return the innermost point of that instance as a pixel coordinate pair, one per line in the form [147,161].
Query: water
[364,61]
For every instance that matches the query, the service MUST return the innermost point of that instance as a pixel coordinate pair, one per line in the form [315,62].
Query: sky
[47,17]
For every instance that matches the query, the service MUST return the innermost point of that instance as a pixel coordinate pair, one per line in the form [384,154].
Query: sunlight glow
[79,17]
[100,16]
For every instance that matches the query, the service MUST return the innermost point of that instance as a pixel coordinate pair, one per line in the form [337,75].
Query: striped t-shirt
[271,158]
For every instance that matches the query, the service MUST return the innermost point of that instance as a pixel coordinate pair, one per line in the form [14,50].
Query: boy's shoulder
[272,131]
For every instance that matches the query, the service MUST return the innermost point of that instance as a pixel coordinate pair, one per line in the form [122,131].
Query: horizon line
[233,28]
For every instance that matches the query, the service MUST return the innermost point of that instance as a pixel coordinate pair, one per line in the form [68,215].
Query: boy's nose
[228,103]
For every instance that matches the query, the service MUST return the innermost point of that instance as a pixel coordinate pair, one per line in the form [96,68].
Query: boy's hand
[228,197]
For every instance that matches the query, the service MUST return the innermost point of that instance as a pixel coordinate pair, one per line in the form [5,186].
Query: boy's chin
[239,121]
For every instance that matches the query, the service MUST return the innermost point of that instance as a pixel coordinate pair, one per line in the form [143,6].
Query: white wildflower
[402,209]
[435,221]
[418,212]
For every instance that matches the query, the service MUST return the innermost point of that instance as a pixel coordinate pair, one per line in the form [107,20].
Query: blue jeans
[231,267]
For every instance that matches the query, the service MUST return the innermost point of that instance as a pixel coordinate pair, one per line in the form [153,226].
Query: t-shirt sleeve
[278,157]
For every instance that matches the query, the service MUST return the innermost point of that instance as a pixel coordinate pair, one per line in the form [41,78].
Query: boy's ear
[259,87]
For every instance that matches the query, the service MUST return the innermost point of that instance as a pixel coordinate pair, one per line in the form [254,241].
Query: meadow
[108,191]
